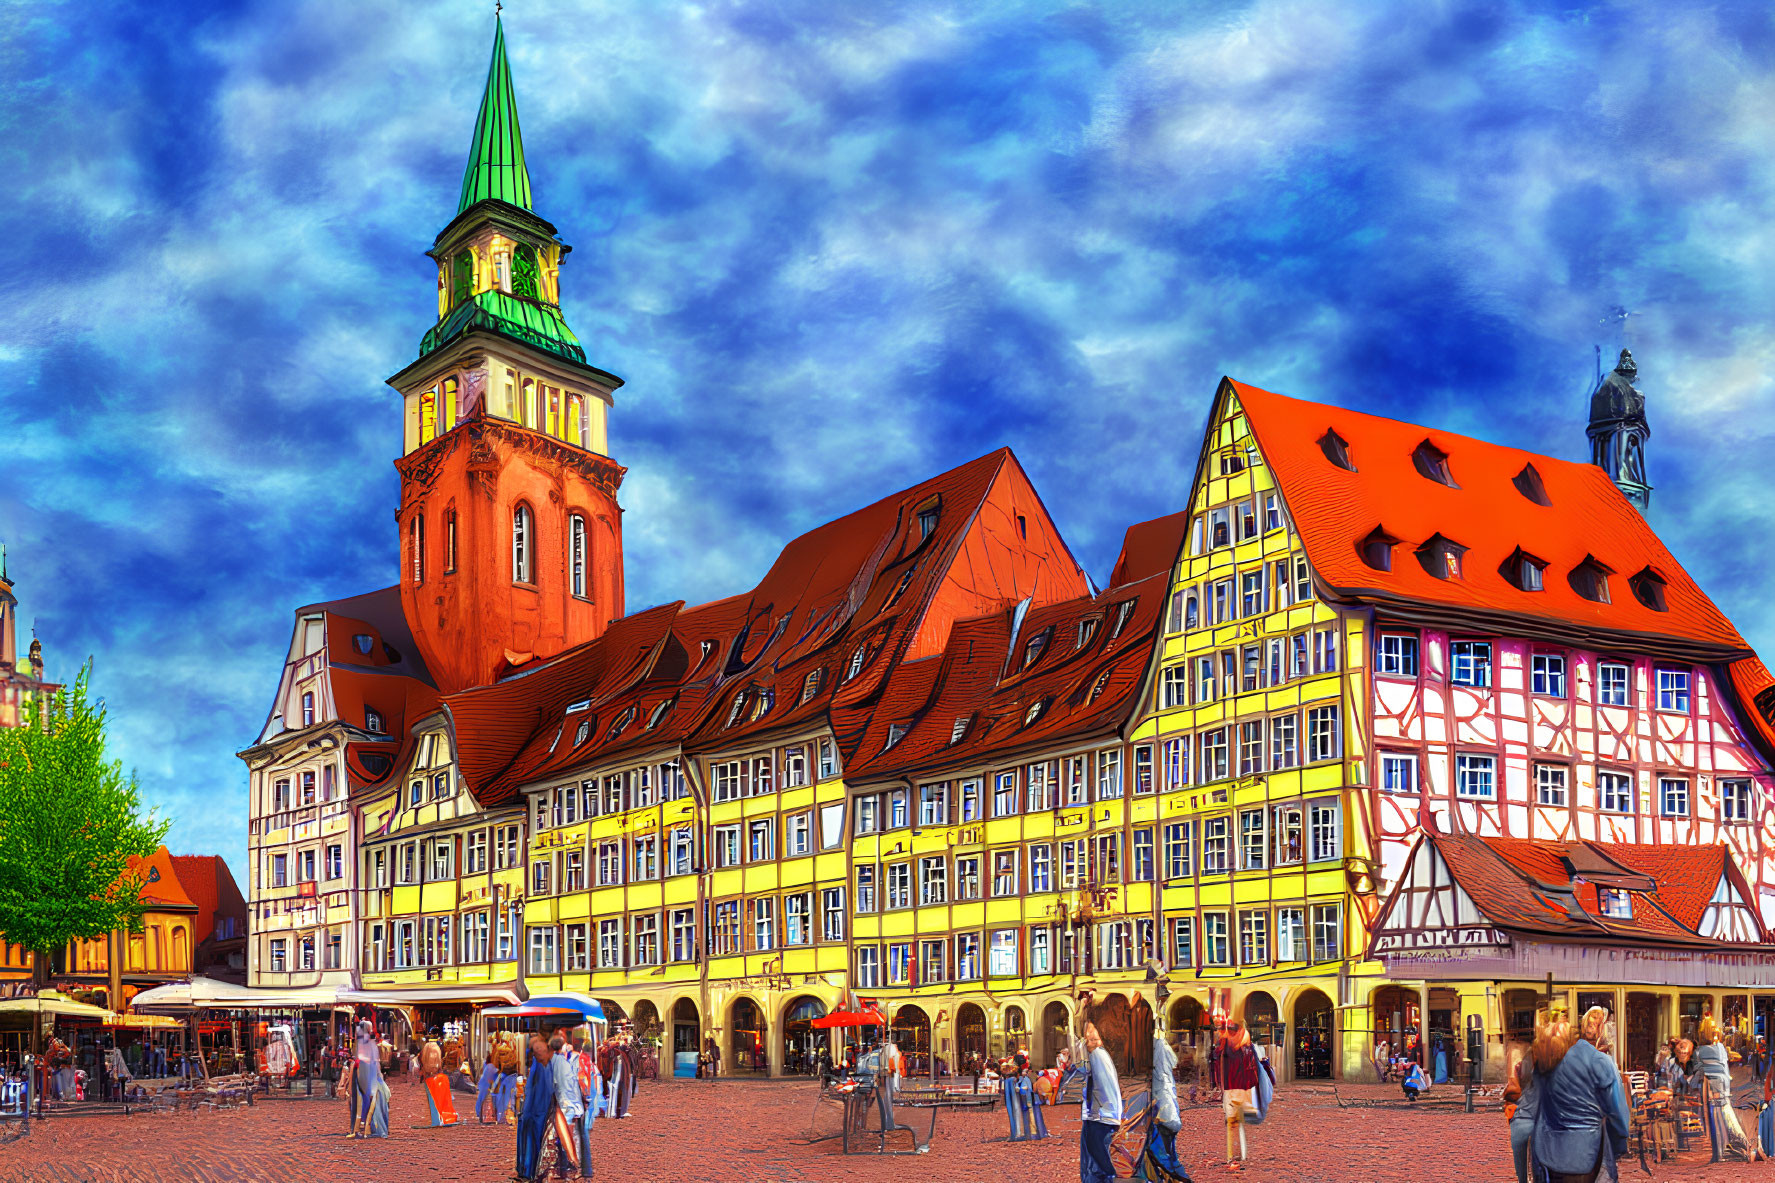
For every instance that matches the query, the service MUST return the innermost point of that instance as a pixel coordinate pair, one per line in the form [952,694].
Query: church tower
[1618,432]
[511,533]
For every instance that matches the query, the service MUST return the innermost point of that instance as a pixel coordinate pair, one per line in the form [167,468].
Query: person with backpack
[1239,1072]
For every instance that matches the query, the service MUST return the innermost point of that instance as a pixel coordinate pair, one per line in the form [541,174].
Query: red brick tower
[511,533]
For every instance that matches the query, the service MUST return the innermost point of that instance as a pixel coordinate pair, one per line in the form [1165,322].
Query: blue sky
[834,249]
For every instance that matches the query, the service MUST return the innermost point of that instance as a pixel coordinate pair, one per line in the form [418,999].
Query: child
[1414,1082]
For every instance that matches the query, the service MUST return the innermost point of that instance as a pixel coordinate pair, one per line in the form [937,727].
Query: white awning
[206,993]
[421,996]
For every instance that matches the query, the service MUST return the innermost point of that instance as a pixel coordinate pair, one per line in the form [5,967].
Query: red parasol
[869,1016]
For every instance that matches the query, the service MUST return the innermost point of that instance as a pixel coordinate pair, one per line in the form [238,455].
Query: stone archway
[1127,1031]
[801,1040]
[686,1037]
[1056,1032]
[1314,1035]
[1016,1030]
[970,1037]
[746,1030]
[1188,1025]
[910,1028]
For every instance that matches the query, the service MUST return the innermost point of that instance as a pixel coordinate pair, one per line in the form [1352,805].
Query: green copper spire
[496,157]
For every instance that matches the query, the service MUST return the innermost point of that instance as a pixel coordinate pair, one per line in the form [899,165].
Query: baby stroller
[1143,1147]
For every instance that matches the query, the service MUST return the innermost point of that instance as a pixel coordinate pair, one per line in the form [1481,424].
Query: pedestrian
[1522,1101]
[538,1109]
[329,1068]
[569,1116]
[591,1087]
[121,1076]
[368,1091]
[1727,1136]
[1414,1082]
[1238,1076]
[1581,1119]
[714,1053]
[1100,1111]
[1020,1101]
[1160,1152]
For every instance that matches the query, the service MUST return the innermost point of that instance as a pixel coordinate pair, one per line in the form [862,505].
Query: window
[726,939]
[868,966]
[933,880]
[1614,902]
[1397,655]
[646,858]
[279,870]
[505,935]
[576,553]
[1004,873]
[683,934]
[308,709]
[1214,846]
[865,889]
[1323,841]
[644,940]
[1075,780]
[449,541]
[798,918]
[609,944]
[1615,790]
[1272,513]
[1399,774]
[726,780]
[1611,684]
[897,810]
[279,955]
[764,925]
[801,834]
[335,862]
[1140,867]
[1251,597]
[1254,938]
[1336,450]
[856,666]
[507,855]
[727,845]
[1041,958]
[1175,753]
[1548,677]
[970,801]
[474,938]
[1214,755]
[761,840]
[576,953]
[541,877]
[1109,858]
[933,805]
[522,545]
[1040,780]
[1673,690]
[609,863]
[1251,747]
[1470,663]
[1325,651]
[868,815]
[1475,776]
[967,877]
[1673,796]
[1550,784]
[1041,867]
[1205,680]
[1109,774]
[1284,742]
[1322,733]
[1590,579]
[1002,954]
[1735,799]
[1214,939]
[794,767]
[542,950]
[1174,687]
[832,914]
[1327,932]
[1252,840]
[1287,835]
[1246,513]
[1178,839]
[1114,945]
[1298,666]
[931,960]
[1004,794]
[967,956]
[1303,580]
[899,885]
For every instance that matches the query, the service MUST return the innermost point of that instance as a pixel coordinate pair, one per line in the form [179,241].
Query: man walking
[570,1110]
[1100,1112]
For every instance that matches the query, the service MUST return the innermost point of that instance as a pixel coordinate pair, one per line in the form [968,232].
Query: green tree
[69,822]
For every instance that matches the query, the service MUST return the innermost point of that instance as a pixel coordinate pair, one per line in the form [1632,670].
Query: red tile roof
[210,885]
[1335,509]
[1149,548]
[161,886]
[866,579]
[1548,888]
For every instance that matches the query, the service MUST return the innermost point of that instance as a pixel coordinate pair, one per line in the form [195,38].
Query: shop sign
[1440,938]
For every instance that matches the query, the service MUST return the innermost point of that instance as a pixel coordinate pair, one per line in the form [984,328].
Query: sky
[834,249]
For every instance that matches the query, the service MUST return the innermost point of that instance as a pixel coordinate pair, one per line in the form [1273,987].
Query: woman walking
[1100,1111]
[1729,1140]
[1238,1073]
[538,1109]
[1581,1121]
[1522,1101]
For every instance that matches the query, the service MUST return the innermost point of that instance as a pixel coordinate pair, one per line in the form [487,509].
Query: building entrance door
[1642,1032]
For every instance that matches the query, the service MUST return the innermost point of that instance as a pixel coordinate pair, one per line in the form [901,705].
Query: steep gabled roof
[1548,888]
[160,882]
[1149,548]
[1496,501]
[1006,686]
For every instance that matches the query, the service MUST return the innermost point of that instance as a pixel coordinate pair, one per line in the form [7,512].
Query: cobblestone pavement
[752,1131]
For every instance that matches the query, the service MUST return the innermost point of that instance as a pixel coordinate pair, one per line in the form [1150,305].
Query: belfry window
[523,543]
[450,407]
[502,270]
[576,543]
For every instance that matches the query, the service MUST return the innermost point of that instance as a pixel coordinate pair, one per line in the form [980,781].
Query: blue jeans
[1094,1164]
[1522,1134]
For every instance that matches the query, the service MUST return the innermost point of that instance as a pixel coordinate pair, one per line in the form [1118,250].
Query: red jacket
[1238,1068]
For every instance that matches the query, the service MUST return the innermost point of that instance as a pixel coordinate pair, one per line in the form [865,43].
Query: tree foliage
[69,822]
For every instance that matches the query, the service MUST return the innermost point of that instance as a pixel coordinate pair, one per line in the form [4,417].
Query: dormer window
[1098,686]
[1524,571]
[1377,549]
[373,721]
[573,708]
[1087,630]
[581,733]
[810,685]
[762,704]
[739,705]
[1432,463]
[1614,902]
[860,655]
[1590,579]
[659,712]
[1648,588]
[1336,450]
[363,643]
[622,721]
[960,729]
[896,733]
[927,517]
[1528,483]
[1032,652]
[1123,610]
[1441,557]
